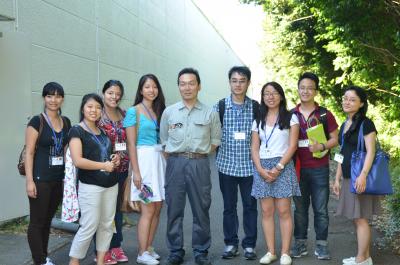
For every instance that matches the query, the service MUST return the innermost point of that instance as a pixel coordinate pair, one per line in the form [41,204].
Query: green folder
[317,133]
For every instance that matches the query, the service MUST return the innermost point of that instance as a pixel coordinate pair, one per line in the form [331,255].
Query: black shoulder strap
[323,118]
[256,109]
[221,110]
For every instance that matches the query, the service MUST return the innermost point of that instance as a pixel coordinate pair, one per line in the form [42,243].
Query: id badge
[240,136]
[304,143]
[339,158]
[57,160]
[120,146]
[264,152]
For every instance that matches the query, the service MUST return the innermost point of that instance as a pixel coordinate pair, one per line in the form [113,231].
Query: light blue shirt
[147,133]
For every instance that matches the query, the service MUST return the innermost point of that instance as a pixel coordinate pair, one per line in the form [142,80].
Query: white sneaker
[286,259]
[49,261]
[153,253]
[350,260]
[366,262]
[268,258]
[147,259]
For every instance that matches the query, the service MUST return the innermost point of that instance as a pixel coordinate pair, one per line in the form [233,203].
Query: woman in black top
[358,207]
[44,167]
[91,152]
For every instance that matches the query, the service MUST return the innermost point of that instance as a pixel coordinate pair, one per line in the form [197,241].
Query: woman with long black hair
[142,124]
[44,167]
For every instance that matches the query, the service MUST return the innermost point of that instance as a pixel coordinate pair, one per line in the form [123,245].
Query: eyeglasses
[238,82]
[306,89]
[351,100]
[272,94]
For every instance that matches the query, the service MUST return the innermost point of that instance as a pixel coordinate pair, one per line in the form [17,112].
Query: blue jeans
[229,188]
[314,185]
[118,218]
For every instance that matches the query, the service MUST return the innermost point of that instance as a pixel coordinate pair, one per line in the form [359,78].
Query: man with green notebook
[318,134]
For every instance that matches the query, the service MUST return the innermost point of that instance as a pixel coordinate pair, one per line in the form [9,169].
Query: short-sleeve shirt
[303,153]
[234,156]
[147,132]
[278,142]
[96,150]
[46,148]
[194,130]
[116,133]
[350,143]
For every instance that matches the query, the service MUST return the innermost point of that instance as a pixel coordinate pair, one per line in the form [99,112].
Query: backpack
[221,110]
[323,119]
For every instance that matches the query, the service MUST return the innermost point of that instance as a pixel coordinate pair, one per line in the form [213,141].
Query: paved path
[14,249]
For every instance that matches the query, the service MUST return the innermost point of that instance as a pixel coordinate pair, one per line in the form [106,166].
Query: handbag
[22,155]
[128,206]
[378,179]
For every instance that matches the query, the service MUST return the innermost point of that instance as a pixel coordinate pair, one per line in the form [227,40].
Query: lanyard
[273,129]
[94,136]
[115,127]
[151,116]
[58,142]
[312,116]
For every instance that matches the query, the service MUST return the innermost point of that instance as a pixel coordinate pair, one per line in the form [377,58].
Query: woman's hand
[108,166]
[137,180]
[116,159]
[31,189]
[361,182]
[336,187]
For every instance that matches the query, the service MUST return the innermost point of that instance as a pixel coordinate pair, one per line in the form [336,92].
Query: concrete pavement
[14,249]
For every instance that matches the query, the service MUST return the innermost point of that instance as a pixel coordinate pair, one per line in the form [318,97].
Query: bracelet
[323,147]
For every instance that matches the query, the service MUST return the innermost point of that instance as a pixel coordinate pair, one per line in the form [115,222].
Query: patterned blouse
[116,133]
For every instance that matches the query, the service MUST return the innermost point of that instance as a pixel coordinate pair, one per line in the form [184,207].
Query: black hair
[362,112]
[111,83]
[242,70]
[311,76]
[85,99]
[159,102]
[284,114]
[190,71]
[52,88]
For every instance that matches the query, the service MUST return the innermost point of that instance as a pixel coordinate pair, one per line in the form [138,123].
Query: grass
[15,226]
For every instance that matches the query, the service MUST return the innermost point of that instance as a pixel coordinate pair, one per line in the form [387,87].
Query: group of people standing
[262,150]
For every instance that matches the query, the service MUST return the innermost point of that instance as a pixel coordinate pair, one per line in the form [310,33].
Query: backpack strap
[221,111]
[323,119]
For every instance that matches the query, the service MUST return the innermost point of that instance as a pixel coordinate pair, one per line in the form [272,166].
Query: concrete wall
[82,44]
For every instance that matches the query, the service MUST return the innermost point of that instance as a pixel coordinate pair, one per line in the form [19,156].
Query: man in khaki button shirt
[189,131]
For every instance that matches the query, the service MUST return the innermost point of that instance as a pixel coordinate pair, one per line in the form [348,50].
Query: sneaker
[230,252]
[109,258]
[299,248]
[286,259]
[153,253]
[268,258]
[146,259]
[119,254]
[350,260]
[322,252]
[202,260]
[366,262]
[174,260]
[49,261]
[250,254]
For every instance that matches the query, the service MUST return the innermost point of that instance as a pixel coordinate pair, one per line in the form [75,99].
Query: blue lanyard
[94,136]
[58,142]
[273,129]
[151,117]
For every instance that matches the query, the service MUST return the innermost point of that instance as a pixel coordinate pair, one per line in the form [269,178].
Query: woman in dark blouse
[44,167]
[91,152]
[358,207]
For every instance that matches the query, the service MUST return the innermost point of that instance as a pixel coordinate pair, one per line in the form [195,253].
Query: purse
[22,155]
[128,206]
[378,179]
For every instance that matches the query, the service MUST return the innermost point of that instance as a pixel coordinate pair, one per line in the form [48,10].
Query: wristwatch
[280,166]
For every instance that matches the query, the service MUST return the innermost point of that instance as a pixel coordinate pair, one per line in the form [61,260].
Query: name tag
[57,160]
[304,143]
[120,146]
[265,152]
[339,158]
[239,136]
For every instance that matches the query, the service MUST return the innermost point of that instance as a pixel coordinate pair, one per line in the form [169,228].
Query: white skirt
[152,166]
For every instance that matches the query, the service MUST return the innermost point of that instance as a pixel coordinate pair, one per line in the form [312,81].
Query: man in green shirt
[189,131]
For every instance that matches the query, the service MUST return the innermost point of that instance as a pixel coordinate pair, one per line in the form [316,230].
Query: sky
[241,26]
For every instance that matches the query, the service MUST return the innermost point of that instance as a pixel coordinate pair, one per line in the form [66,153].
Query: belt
[189,155]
